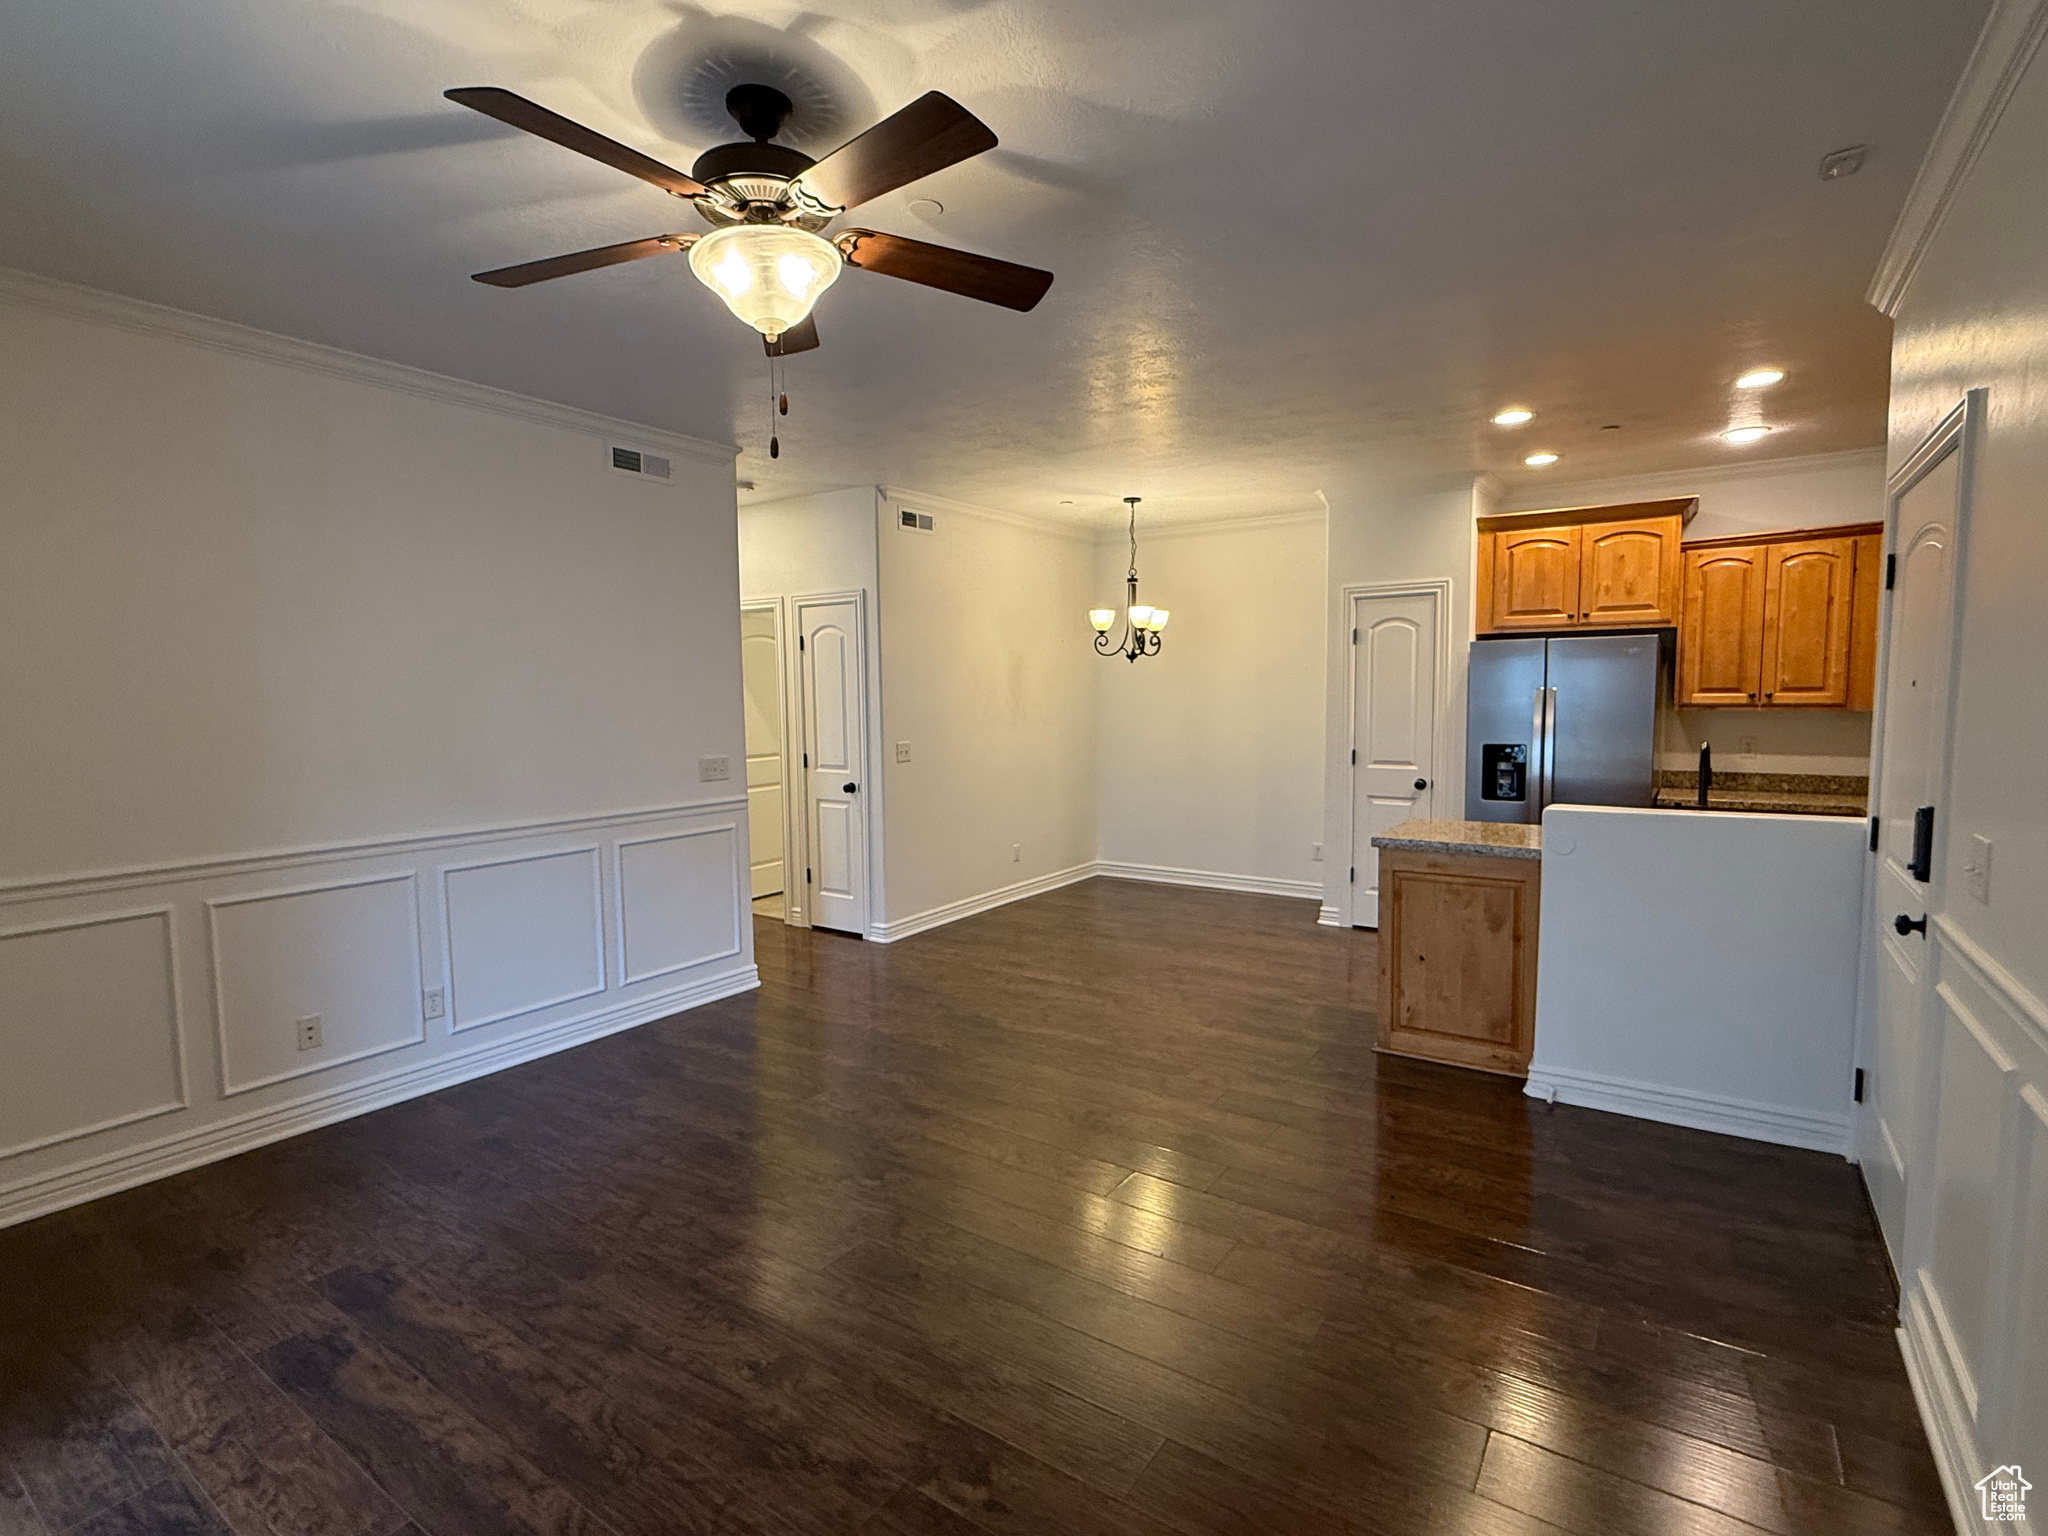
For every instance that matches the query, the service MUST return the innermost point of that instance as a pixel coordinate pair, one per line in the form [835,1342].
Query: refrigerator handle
[1549,749]
[1539,738]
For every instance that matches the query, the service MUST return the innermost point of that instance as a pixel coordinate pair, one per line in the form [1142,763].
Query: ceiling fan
[768,202]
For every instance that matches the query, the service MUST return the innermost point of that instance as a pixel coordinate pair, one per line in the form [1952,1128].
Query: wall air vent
[631,461]
[913,522]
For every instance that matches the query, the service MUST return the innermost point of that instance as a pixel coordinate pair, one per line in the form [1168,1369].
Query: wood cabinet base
[1457,957]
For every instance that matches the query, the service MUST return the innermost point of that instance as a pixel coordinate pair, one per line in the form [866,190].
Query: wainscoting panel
[405,949]
[524,933]
[346,952]
[2028,1412]
[89,1028]
[679,901]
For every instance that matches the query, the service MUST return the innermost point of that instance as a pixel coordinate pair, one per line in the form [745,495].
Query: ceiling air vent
[631,461]
[913,522]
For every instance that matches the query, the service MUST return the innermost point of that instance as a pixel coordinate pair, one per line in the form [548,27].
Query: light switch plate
[712,769]
[437,1002]
[1978,867]
[902,751]
[1315,852]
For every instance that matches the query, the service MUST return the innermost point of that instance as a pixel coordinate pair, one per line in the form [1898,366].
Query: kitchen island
[1457,949]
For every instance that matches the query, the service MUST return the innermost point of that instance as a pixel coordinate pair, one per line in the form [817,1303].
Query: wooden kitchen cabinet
[1614,567]
[1784,621]
[1457,957]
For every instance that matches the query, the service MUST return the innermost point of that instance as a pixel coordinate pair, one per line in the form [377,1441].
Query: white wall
[1724,1000]
[986,673]
[1381,533]
[332,687]
[813,546]
[1209,757]
[1968,286]
[1824,491]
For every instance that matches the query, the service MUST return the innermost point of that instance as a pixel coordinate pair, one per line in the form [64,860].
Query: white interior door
[1908,771]
[1393,728]
[834,761]
[761,686]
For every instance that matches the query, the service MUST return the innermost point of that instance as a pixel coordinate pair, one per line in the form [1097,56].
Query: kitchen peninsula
[1457,950]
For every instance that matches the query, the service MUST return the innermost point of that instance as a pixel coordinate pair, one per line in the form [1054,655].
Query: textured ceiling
[1299,242]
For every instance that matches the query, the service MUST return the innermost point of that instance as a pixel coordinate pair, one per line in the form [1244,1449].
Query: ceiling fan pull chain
[774,442]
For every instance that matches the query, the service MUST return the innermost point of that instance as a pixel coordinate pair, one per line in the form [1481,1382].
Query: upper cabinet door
[1629,573]
[1536,578]
[1807,609]
[1720,652]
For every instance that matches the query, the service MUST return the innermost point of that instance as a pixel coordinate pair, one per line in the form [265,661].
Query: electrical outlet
[1746,745]
[902,751]
[712,769]
[1016,853]
[1315,852]
[437,1002]
[1978,868]
[309,1032]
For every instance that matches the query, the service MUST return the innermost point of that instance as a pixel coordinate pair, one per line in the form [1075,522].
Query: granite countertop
[1797,794]
[1495,839]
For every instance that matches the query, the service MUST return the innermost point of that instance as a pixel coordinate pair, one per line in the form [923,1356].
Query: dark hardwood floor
[1092,1214]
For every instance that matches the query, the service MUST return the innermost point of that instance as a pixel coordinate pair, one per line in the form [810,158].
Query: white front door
[834,761]
[1908,769]
[1393,729]
[761,684]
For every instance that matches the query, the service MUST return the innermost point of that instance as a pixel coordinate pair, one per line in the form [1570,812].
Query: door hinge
[807,759]
[1353,876]
[1354,756]
[807,874]
[1857,1092]
[1354,636]
[1891,571]
[799,642]
[1873,834]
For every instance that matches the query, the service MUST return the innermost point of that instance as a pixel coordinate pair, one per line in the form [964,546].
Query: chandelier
[1141,622]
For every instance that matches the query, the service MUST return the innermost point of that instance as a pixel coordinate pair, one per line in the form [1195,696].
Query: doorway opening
[763,692]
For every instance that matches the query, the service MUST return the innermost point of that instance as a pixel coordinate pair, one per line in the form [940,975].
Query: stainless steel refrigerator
[1569,720]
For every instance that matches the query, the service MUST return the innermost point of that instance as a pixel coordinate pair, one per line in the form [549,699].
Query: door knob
[1422,783]
[853,789]
[1903,925]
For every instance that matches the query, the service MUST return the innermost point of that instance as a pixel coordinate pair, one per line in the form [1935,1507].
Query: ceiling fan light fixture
[768,274]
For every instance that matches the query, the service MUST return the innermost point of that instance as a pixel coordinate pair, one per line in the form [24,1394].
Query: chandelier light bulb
[1102,618]
[768,274]
[1141,615]
[1158,620]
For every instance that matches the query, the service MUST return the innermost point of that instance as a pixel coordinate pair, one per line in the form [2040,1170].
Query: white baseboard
[1956,1456]
[1210,880]
[1779,1123]
[968,906]
[79,1183]
[1327,917]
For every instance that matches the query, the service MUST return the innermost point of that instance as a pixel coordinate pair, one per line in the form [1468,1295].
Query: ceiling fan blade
[511,108]
[933,132]
[583,261]
[940,266]
[800,337]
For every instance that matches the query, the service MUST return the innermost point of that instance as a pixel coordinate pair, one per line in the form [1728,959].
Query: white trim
[969,906]
[176,994]
[741,902]
[895,497]
[788,704]
[1777,1123]
[1114,536]
[1655,486]
[1949,1433]
[537,856]
[1326,915]
[2012,33]
[1210,880]
[53,887]
[410,879]
[870,726]
[30,291]
[1438,589]
[139,1165]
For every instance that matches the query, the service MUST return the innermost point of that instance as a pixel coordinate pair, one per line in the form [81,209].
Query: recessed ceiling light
[1745,434]
[1763,378]
[1538,460]
[1514,416]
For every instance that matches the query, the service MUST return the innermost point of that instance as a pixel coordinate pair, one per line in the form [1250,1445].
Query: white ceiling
[1299,242]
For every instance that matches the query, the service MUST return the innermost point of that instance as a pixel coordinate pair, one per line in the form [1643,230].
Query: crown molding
[2012,33]
[895,496]
[1113,535]
[27,290]
[1627,487]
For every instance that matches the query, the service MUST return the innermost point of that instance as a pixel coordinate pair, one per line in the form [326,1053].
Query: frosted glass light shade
[768,274]
[1141,615]
[1158,620]
[1102,618]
